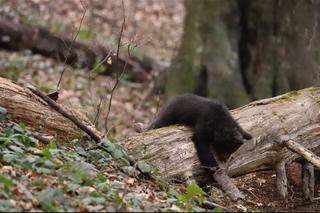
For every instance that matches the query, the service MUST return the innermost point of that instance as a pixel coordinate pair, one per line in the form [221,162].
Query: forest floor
[161,24]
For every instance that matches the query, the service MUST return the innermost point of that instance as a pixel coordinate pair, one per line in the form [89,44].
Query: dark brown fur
[210,120]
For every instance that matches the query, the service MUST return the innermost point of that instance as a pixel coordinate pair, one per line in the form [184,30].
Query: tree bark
[295,114]
[208,54]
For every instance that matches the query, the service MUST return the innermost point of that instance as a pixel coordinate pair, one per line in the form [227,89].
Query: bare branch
[304,152]
[71,46]
[66,114]
[117,73]
[98,111]
[121,31]
[111,95]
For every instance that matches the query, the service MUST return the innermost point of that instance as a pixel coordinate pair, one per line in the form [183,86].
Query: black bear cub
[211,122]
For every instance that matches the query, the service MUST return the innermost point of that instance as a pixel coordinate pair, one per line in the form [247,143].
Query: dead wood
[308,181]
[24,106]
[227,185]
[18,36]
[282,180]
[66,114]
[35,108]
[305,153]
[295,114]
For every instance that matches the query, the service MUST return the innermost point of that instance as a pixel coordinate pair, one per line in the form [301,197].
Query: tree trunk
[251,49]
[294,115]
[278,50]
[208,54]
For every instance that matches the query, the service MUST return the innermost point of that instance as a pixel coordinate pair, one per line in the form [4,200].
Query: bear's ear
[246,136]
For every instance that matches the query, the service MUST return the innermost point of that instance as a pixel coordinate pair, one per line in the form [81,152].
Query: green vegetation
[83,178]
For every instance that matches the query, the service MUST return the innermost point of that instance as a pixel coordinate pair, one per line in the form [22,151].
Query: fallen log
[295,115]
[33,106]
[290,120]
[18,36]
[24,106]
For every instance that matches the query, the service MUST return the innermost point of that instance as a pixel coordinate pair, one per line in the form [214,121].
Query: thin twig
[121,31]
[117,73]
[90,87]
[212,205]
[111,94]
[98,111]
[101,62]
[40,138]
[71,46]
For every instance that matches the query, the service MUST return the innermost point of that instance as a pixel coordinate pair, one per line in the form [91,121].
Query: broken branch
[66,114]
[304,152]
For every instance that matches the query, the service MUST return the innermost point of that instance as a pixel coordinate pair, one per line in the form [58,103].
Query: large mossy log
[295,115]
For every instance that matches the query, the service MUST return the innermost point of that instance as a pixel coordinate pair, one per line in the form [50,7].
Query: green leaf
[46,153]
[22,125]
[102,178]
[194,189]
[102,186]
[117,154]
[9,157]
[44,170]
[111,147]
[85,34]
[93,200]
[86,167]
[49,164]
[4,140]
[4,117]
[49,197]
[183,198]
[125,162]
[104,142]
[51,145]
[218,209]
[6,181]
[172,193]
[128,169]
[7,206]
[73,187]
[99,67]
[81,151]
[144,166]
[18,129]
[197,209]
[31,158]
[3,110]
[16,149]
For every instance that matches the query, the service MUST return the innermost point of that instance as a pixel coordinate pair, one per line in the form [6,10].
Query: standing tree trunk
[278,47]
[239,51]
[208,54]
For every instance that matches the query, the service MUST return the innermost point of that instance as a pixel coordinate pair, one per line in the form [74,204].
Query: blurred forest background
[236,51]
[246,50]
